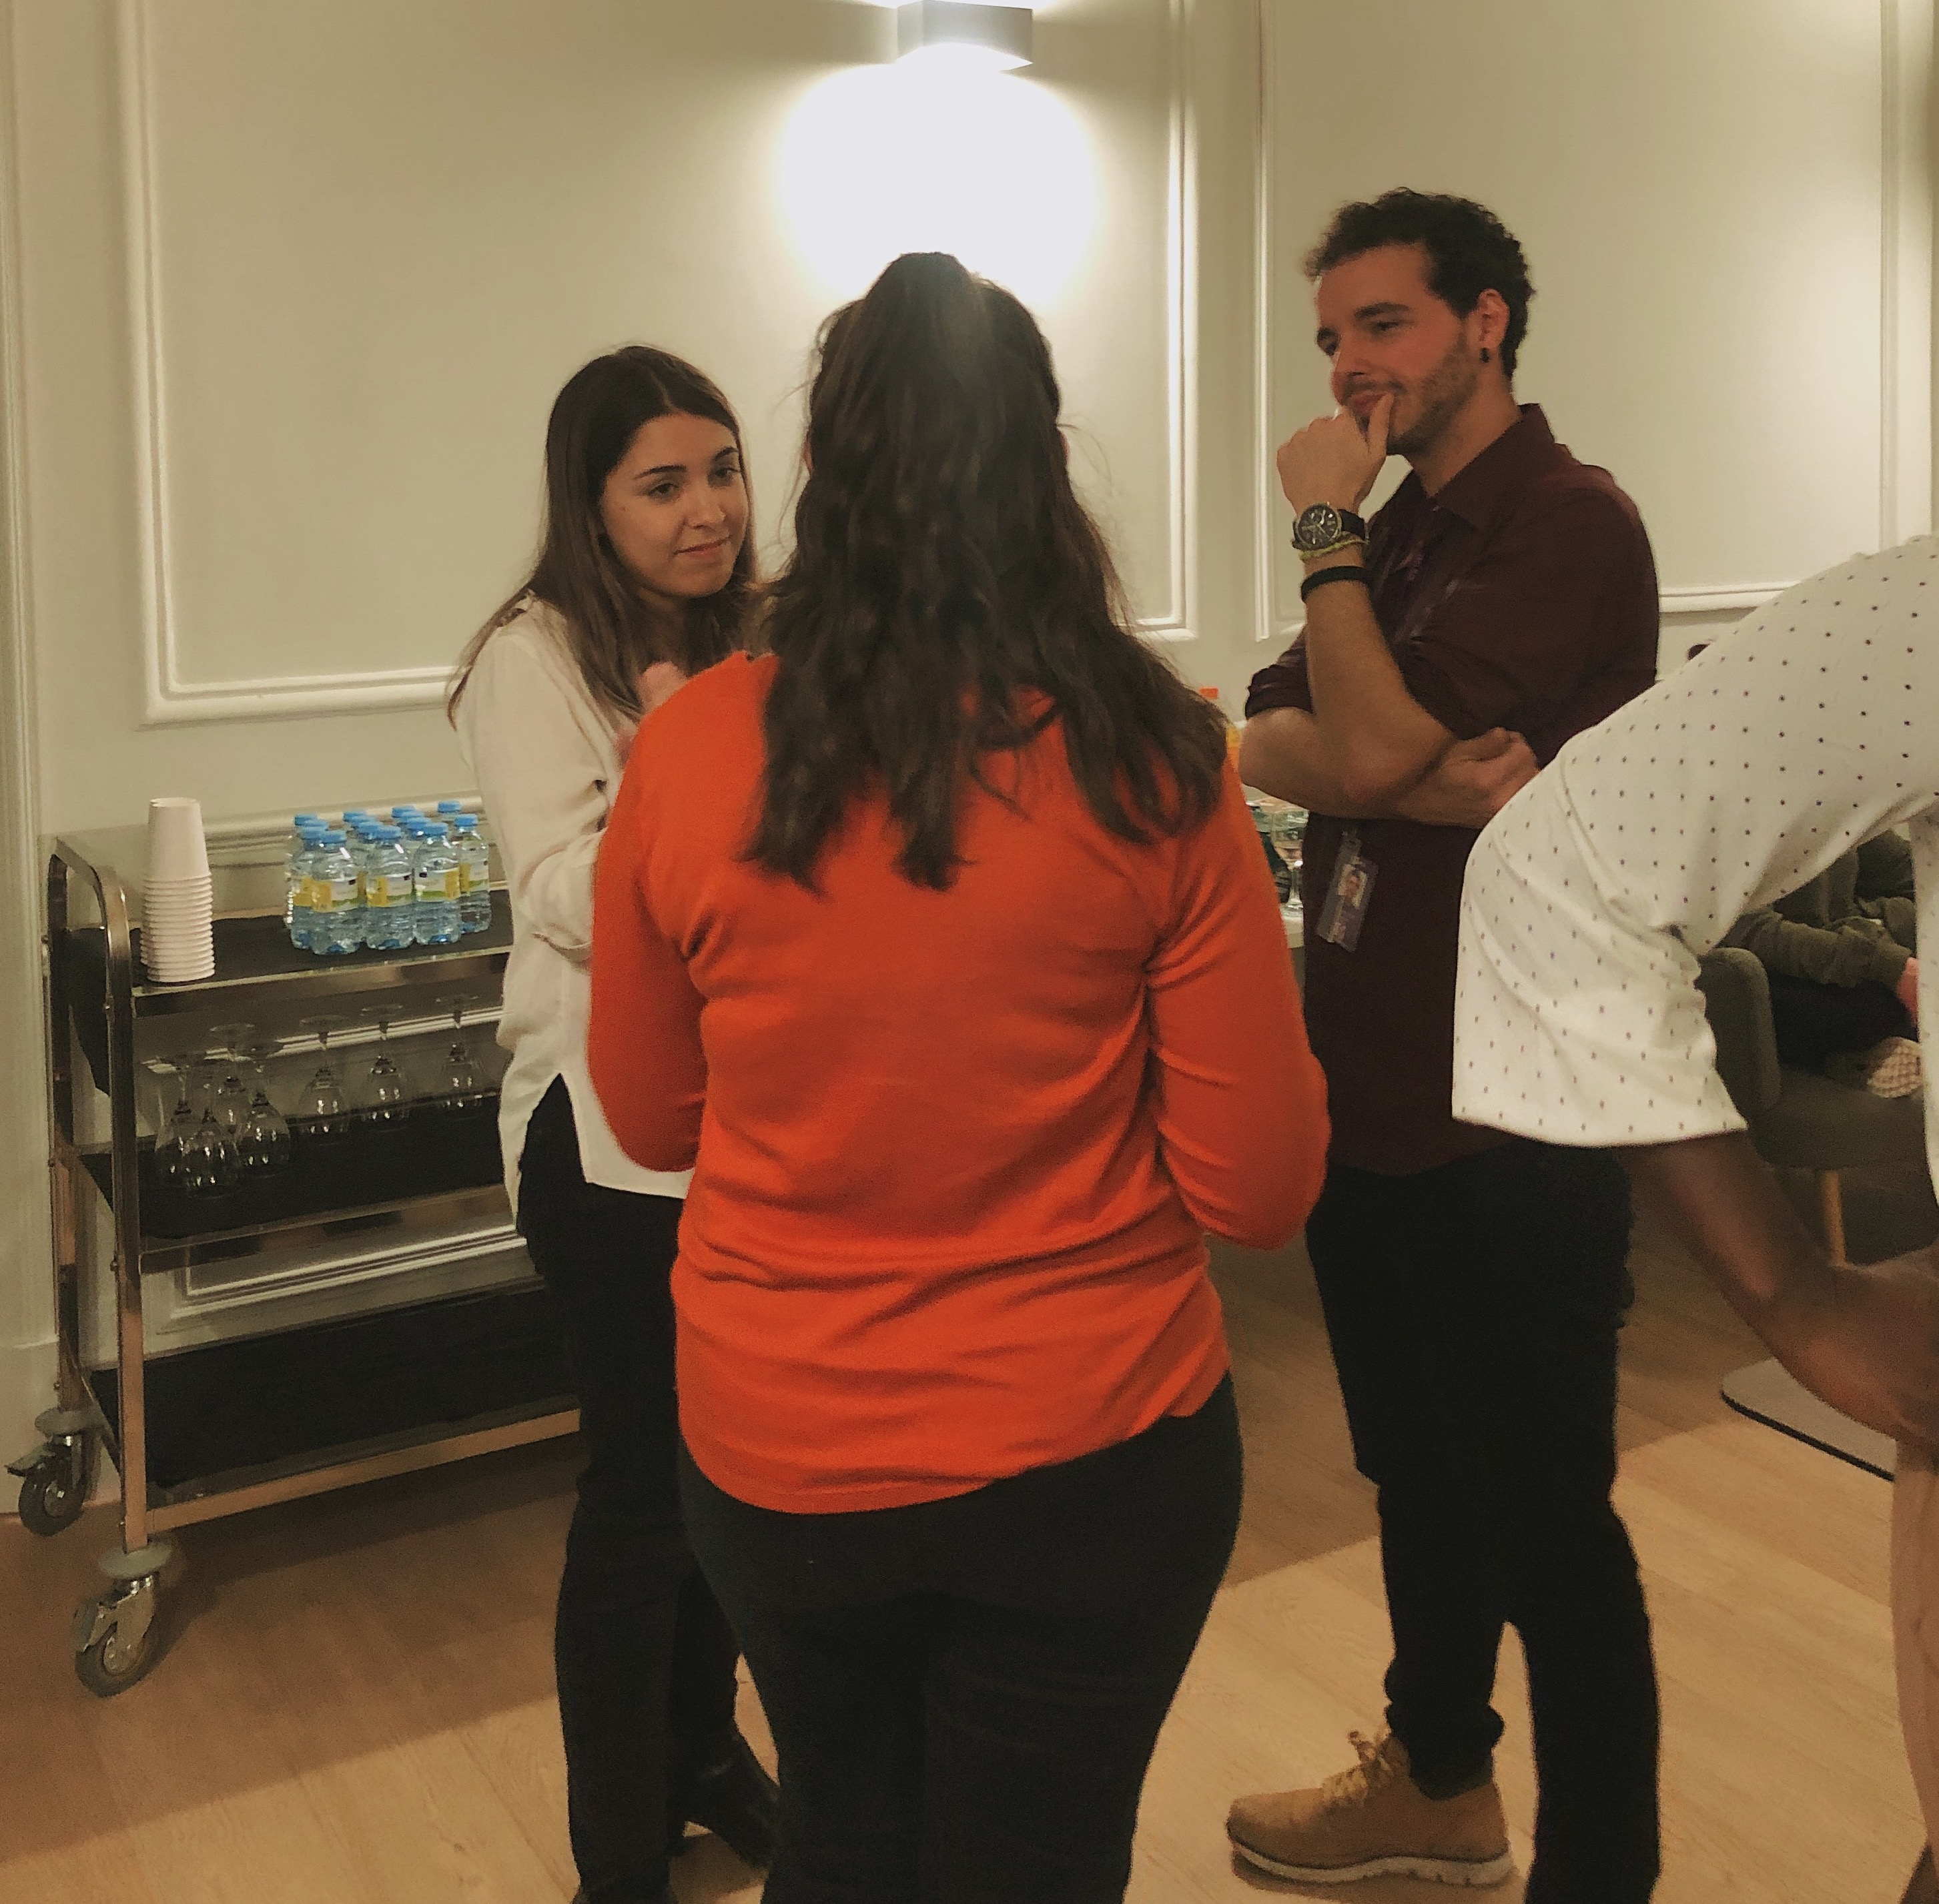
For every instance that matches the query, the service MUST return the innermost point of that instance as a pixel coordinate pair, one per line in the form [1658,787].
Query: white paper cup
[177,849]
[176,965]
[183,971]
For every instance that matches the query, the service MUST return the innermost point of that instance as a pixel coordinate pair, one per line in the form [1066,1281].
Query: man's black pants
[965,1693]
[1474,1311]
[644,1655]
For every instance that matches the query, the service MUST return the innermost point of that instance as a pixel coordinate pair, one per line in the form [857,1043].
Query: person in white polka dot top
[1813,726]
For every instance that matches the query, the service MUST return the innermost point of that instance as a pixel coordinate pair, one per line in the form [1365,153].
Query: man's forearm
[1381,741]
[1285,752]
[1729,1212]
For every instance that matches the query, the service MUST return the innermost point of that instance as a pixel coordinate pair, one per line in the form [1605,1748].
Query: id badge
[1349,895]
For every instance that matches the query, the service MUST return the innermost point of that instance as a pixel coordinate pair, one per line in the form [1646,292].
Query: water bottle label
[333,895]
[438,886]
[386,890]
[478,877]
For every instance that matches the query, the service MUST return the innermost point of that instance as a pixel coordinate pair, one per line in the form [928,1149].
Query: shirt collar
[1478,492]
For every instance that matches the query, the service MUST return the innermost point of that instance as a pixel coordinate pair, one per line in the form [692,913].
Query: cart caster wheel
[55,1488]
[117,1640]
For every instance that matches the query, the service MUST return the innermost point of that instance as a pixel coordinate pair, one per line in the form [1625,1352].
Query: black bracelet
[1355,573]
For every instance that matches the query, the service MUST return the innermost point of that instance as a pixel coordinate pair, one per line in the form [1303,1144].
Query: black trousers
[965,1693]
[1474,1311]
[644,1655]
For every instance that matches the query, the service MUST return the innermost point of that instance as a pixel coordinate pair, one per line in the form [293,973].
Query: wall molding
[168,697]
[1179,622]
[26,1283]
[1905,500]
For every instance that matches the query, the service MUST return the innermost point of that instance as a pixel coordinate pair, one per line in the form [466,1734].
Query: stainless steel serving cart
[224,1427]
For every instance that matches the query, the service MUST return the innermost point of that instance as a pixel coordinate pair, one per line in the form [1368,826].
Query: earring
[1487,355]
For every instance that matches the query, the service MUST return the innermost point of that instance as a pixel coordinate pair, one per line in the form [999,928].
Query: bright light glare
[935,155]
[946,57]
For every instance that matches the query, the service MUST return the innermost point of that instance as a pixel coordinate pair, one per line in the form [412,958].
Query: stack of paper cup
[178,932]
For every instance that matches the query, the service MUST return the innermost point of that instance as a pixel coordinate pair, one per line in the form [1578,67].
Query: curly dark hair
[945,576]
[1469,250]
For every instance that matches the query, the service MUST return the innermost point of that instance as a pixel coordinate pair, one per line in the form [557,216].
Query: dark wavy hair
[613,633]
[944,569]
[1469,250]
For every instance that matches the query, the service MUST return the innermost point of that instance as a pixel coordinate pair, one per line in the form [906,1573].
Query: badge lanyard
[1347,898]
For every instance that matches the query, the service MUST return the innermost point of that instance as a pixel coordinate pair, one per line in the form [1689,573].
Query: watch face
[1317,526]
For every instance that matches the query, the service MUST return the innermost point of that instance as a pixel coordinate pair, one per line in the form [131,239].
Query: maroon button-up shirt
[1523,596]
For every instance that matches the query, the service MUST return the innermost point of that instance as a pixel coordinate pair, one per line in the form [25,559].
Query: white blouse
[1812,726]
[548,759]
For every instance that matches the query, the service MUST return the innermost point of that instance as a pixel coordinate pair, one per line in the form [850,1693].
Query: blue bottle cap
[308,819]
[333,836]
[451,806]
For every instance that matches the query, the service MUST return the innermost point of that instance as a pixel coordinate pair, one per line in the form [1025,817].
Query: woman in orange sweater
[938,941]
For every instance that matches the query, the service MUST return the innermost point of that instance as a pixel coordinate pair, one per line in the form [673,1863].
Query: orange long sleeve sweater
[954,1152]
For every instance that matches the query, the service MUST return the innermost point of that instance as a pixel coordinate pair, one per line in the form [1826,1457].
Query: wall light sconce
[997,37]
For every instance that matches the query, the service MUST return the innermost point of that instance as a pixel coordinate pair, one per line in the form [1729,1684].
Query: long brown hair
[613,633]
[943,568]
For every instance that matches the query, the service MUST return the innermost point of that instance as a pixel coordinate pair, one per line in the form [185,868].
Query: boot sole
[1474,1871]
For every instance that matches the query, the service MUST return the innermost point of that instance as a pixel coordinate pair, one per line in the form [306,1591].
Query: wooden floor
[358,1708]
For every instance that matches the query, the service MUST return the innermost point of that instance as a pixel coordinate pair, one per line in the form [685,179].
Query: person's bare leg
[1924,1888]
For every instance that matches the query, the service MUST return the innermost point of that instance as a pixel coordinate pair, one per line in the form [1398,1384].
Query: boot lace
[1378,1767]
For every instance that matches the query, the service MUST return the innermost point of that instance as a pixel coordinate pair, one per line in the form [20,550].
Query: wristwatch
[1322,528]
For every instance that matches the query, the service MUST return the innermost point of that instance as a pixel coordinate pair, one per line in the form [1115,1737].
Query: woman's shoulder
[529,628]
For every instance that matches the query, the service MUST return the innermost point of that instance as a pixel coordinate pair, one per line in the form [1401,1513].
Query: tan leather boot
[1374,1821]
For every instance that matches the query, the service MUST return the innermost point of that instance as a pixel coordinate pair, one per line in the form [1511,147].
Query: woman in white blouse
[645,574]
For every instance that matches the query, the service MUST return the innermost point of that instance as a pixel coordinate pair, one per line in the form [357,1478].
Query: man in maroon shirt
[1504,600]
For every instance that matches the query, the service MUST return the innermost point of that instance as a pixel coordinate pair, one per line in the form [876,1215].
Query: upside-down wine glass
[172,1143]
[210,1160]
[459,1088]
[265,1148]
[230,1101]
[387,1098]
[321,1115]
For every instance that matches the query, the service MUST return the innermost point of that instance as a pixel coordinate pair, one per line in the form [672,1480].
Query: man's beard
[1449,386]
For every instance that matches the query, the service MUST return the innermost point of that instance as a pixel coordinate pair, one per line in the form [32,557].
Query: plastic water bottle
[436,876]
[450,811]
[298,917]
[390,893]
[363,845]
[474,866]
[338,926]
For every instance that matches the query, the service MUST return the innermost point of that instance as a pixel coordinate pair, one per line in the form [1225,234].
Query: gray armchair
[1798,1120]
